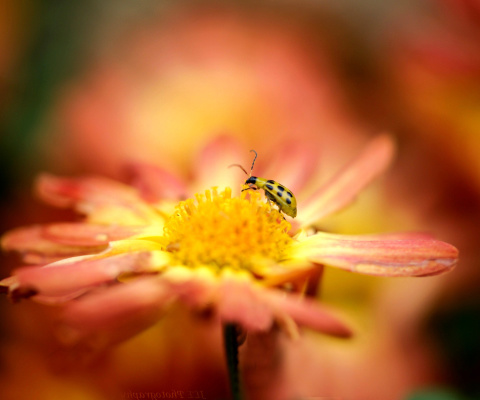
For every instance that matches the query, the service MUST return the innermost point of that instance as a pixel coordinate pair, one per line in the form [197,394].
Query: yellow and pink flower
[160,240]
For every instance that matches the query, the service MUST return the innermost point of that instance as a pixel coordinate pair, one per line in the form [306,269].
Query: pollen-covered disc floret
[219,231]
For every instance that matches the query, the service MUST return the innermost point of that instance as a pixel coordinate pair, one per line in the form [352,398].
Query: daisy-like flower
[139,248]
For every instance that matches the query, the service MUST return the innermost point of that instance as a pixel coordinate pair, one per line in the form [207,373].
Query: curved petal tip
[390,256]
[343,188]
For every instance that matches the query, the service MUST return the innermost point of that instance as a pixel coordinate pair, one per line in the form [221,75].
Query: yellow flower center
[219,231]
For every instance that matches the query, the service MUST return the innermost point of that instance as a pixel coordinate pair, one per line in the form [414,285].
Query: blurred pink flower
[196,71]
[433,63]
[139,250]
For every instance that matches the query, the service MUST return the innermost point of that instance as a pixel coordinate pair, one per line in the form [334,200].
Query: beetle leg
[250,187]
[270,204]
[271,208]
[280,212]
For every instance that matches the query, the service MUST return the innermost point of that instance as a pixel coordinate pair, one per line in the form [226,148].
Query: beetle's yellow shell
[279,194]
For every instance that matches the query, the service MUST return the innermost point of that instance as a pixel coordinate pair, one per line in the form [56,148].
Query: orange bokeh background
[85,89]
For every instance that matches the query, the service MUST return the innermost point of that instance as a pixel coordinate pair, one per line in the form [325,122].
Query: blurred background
[87,86]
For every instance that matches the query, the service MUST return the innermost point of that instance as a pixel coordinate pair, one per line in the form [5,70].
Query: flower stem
[230,343]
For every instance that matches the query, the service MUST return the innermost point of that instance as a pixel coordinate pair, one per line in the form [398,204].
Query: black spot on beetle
[281,188]
[289,201]
[271,181]
[289,193]
[279,193]
[269,187]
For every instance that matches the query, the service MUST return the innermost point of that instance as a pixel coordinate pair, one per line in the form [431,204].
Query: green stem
[230,343]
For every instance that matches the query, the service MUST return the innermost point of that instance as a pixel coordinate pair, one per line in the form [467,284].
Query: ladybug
[274,191]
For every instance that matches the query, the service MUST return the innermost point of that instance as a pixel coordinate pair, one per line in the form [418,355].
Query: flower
[223,65]
[140,249]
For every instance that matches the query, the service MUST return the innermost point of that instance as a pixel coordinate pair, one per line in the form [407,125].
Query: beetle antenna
[239,166]
[253,163]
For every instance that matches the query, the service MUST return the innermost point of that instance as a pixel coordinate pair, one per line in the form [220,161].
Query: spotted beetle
[274,191]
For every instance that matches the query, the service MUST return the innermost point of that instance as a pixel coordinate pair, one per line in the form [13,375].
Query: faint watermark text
[165,394]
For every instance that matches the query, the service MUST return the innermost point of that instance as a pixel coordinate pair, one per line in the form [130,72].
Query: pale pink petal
[35,248]
[198,288]
[240,302]
[343,188]
[390,236]
[211,169]
[66,192]
[389,257]
[155,183]
[15,293]
[307,312]
[302,276]
[7,283]
[292,165]
[83,234]
[118,312]
[66,278]
[95,195]
[256,308]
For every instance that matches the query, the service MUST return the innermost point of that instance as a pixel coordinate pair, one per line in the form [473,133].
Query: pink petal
[118,312]
[302,277]
[389,257]
[66,278]
[7,283]
[308,313]
[38,249]
[390,236]
[155,183]
[94,194]
[65,192]
[292,165]
[84,234]
[241,303]
[345,186]
[211,169]
[195,290]
[15,293]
